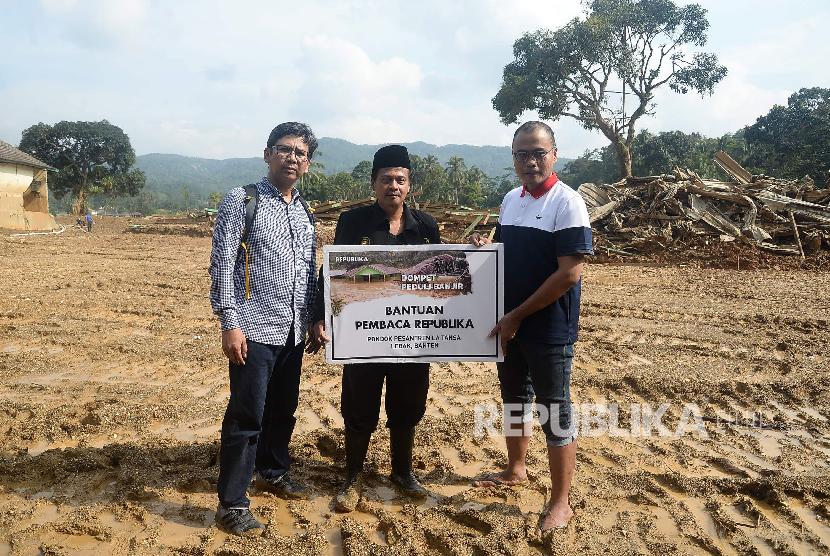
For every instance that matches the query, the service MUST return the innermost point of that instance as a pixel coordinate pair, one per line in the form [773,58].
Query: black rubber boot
[401,441]
[357,444]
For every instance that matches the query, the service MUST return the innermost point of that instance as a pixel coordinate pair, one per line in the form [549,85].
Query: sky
[211,78]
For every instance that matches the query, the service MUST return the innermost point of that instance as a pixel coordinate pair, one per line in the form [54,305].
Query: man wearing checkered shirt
[262,292]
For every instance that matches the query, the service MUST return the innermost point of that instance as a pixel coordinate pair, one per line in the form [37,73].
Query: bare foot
[557,517]
[506,477]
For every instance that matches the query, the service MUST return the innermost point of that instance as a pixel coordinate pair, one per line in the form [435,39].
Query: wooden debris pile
[331,210]
[646,214]
[457,222]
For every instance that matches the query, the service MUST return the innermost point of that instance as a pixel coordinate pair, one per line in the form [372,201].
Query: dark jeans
[260,418]
[544,371]
[407,385]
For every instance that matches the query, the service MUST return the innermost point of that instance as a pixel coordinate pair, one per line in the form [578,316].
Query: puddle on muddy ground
[291,518]
[370,523]
[471,468]
[173,534]
[335,538]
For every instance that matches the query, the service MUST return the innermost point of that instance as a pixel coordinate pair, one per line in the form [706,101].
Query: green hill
[170,173]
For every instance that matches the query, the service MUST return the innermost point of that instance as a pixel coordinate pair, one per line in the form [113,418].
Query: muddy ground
[112,389]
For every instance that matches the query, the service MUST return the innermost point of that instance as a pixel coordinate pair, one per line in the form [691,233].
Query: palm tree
[434,178]
[456,175]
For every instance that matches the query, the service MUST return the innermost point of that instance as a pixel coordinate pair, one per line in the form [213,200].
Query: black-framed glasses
[538,155]
[284,151]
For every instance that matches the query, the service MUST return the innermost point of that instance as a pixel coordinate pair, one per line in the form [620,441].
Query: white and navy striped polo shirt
[535,231]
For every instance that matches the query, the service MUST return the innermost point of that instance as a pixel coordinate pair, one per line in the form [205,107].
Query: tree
[456,176]
[343,186]
[145,203]
[638,45]
[186,197]
[417,174]
[431,178]
[214,199]
[498,188]
[594,166]
[472,192]
[313,184]
[794,140]
[660,153]
[91,157]
[362,173]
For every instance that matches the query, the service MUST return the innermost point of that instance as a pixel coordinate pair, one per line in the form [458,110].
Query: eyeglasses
[284,151]
[538,155]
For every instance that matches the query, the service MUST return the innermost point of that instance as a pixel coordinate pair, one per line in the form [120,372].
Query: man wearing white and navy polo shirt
[546,234]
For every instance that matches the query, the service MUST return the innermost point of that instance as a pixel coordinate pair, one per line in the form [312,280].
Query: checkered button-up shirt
[281,247]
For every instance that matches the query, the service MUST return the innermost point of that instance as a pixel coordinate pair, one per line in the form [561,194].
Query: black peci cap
[391,156]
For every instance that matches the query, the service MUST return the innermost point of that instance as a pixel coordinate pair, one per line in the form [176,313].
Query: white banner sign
[412,303]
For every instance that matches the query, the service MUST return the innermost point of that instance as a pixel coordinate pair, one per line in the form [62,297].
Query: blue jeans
[544,371]
[259,419]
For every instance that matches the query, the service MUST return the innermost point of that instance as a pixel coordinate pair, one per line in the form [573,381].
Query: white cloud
[98,23]
[360,98]
[185,136]
[736,102]
[211,77]
[763,71]
[787,53]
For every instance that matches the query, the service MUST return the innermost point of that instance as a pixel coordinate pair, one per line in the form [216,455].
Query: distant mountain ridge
[201,176]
